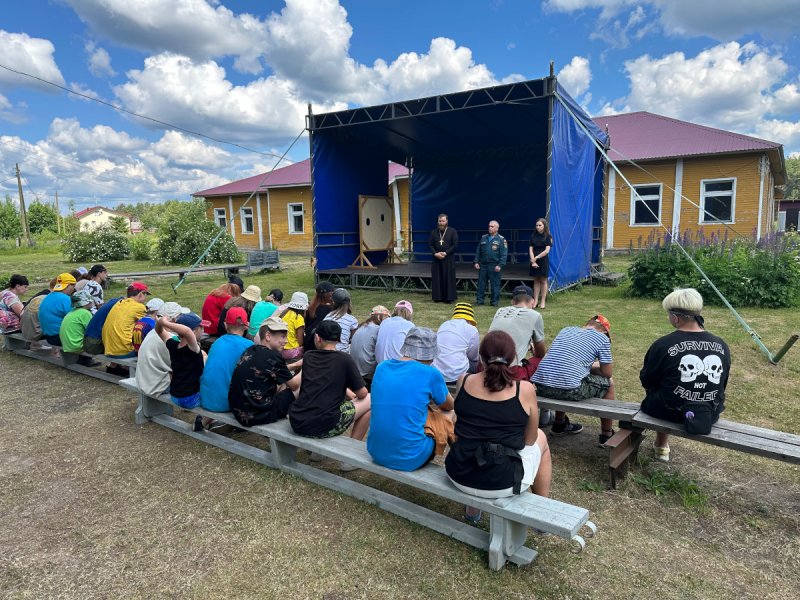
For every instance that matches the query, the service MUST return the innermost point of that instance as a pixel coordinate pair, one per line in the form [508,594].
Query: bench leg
[507,542]
[149,408]
[284,453]
[624,444]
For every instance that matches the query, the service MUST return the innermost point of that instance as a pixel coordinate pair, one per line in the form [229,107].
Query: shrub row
[748,273]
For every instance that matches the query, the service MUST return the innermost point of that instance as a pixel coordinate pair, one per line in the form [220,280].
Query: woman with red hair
[215,302]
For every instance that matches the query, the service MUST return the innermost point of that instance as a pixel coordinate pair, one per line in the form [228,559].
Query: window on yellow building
[296,224]
[247,220]
[220,218]
[646,204]
[717,200]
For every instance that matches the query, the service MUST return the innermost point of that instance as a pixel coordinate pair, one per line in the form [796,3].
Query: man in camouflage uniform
[490,258]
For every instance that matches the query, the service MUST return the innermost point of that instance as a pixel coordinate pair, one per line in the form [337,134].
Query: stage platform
[416,277]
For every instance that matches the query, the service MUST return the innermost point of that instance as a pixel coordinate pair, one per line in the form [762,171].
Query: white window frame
[293,213]
[220,213]
[701,219]
[249,211]
[634,199]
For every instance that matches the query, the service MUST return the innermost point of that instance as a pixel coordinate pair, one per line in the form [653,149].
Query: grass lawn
[95,506]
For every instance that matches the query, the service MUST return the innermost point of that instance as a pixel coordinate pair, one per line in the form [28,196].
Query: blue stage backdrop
[477,156]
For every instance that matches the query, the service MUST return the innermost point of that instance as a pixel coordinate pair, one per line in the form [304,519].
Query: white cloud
[84,90]
[731,86]
[576,76]
[11,113]
[194,28]
[101,165]
[99,61]
[29,55]
[722,21]
[196,95]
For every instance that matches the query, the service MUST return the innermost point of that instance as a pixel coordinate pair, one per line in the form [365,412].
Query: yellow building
[688,179]
[279,214]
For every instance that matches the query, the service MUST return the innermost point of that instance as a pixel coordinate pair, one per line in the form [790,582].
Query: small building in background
[693,179]
[279,215]
[96,216]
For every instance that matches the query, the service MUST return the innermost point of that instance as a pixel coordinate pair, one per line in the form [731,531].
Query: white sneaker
[660,453]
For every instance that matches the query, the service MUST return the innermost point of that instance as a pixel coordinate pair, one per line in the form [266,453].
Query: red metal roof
[647,136]
[294,175]
[86,211]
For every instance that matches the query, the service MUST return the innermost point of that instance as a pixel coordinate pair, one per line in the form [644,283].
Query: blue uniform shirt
[492,249]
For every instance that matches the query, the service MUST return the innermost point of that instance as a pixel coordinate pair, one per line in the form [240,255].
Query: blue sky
[244,71]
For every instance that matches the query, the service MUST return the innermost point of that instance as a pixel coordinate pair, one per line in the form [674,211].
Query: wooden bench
[262,260]
[69,360]
[509,518]
[633,422]
[227,270]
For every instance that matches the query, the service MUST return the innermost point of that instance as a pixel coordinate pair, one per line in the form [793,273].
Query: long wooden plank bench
[227,271]
[633,422]
[19,345]
[509,518]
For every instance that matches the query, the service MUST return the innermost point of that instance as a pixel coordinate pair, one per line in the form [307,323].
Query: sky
[242,73]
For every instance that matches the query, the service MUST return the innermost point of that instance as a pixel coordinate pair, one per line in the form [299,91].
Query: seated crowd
[408,391]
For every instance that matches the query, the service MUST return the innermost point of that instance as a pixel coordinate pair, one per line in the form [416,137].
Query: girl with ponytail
[500,450]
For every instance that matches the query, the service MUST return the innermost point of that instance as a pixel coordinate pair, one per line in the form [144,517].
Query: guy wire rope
[773,358]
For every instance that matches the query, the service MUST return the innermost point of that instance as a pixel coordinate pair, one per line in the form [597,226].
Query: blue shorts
[192,401]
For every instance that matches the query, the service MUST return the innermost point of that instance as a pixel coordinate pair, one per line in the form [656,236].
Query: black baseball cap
[522,290]
[329,330]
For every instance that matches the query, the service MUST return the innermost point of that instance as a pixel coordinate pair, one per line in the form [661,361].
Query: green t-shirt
[73,328]
[261,312]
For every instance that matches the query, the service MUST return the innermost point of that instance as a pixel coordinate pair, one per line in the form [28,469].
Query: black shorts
[53,340]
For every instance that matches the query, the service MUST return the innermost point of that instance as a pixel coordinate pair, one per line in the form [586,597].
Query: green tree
[793,178]
[185,233]
[10,227]
[120,224]
[42,217]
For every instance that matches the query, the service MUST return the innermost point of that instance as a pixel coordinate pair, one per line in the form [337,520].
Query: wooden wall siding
[280,198]
[624,233]
[744,168]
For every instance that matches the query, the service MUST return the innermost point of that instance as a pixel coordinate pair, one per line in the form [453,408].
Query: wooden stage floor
[417,277]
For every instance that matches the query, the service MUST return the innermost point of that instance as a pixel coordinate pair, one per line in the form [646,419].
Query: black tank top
[480,423]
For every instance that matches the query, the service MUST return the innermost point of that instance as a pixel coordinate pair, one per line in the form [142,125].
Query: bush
[142,246]
[185,232]
[746,272]
[101,244]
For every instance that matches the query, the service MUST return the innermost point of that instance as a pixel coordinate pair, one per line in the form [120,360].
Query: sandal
[660,453]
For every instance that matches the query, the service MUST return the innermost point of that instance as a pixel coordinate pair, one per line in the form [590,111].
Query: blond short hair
[684,300]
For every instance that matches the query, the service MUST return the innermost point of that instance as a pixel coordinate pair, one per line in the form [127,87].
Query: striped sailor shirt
[570,357]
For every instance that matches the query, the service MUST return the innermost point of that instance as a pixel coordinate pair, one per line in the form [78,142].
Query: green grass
[98,507]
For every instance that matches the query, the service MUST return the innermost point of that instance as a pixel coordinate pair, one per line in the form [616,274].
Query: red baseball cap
[604,322]
[236,316]
[139,287]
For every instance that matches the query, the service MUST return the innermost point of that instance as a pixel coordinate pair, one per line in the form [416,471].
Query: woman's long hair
[377,318]
[226,289]
[497,352]
[246,304]
[319,299]
[543,221]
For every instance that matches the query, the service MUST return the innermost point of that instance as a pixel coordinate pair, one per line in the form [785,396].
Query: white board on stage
[376,219]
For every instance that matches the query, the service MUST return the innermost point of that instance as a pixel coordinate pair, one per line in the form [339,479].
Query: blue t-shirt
[401,392]
[222,360]
[52,311]
[95,327]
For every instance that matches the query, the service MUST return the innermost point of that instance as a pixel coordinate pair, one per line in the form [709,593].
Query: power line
[135,114]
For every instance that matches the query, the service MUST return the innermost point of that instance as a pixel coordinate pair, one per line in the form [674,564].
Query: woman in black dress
[541,242]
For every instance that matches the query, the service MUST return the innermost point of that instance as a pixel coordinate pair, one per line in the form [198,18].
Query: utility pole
[58,216]
[23,217]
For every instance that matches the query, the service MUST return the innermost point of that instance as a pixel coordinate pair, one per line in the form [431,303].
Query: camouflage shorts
[347,414]
[592,386]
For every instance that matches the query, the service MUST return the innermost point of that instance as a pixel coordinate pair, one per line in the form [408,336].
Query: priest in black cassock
[443,244]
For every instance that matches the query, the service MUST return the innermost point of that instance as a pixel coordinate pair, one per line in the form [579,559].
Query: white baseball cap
[173,310]
[154,304]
